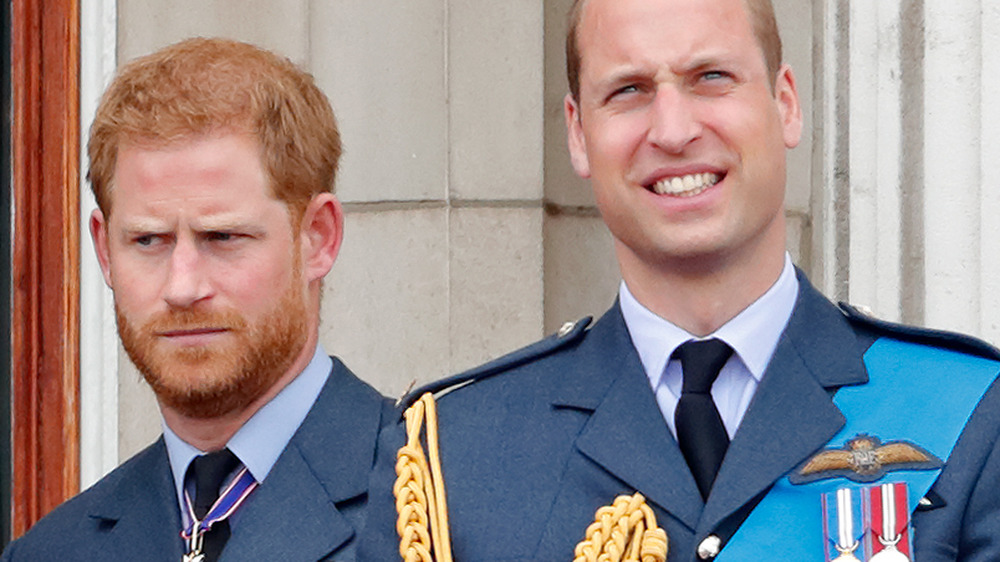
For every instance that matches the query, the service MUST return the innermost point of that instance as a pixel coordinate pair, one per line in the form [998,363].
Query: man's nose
[187,282]
[673,121]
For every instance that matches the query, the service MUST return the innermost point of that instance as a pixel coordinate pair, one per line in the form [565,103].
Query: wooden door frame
[45,133]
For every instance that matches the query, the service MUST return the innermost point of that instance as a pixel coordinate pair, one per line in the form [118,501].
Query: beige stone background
[467,234]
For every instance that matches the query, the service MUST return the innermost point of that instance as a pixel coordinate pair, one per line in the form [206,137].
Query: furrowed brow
[140,225]
[227,223]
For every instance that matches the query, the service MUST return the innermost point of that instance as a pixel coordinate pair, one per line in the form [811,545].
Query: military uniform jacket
[542,438]
[310,507]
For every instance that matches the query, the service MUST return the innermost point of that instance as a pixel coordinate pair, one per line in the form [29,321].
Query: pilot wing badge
[864,458]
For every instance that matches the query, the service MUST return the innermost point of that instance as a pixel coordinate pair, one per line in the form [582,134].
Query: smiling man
[722,408]
[213,165]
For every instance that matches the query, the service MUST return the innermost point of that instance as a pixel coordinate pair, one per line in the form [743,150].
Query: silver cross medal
[194,545]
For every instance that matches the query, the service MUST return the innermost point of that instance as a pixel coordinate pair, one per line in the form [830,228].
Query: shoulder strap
[569,333]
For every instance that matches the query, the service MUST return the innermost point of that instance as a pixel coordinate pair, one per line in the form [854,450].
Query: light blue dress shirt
[753,334]
[260,441]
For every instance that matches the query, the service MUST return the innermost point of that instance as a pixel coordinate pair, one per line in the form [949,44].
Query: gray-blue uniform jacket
[540,439]
[310,507]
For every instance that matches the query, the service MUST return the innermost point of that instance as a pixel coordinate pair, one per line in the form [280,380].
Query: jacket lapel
[791,415]
[291,516]
[138,515]
[626,434]
[301,511]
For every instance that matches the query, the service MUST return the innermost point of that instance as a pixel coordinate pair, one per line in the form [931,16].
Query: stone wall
[468,235]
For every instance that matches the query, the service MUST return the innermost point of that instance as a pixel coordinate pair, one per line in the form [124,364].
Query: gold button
[710,547]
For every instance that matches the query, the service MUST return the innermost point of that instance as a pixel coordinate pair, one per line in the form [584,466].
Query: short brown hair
[203,86]
[761,12]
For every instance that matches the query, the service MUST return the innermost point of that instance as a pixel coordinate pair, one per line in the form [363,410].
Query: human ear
[99,233]
[322,231]
[575,138]
[787,98]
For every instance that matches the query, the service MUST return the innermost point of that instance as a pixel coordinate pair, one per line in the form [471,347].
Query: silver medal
[847,555]
[194,545]
[890,554]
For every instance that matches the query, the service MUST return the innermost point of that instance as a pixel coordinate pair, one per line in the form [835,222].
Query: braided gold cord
[421,503]
[624,531]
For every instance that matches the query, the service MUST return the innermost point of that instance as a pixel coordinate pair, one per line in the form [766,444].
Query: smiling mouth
[685,186]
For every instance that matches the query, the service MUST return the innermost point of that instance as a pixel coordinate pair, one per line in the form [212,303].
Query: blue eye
[624,91]
[220,236]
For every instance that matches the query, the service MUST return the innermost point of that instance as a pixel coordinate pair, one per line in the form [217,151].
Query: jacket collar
[132,500]
[293,515]
[627,436]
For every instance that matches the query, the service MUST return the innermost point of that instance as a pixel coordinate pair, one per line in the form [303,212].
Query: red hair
[204,86]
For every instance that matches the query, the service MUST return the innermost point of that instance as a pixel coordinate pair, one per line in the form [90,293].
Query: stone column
[98,337]
[906,200]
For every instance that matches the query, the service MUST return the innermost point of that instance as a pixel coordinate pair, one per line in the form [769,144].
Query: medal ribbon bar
[890,523]
[843,525]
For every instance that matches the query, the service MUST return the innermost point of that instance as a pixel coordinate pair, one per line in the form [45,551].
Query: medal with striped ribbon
[843,525]
[229,500]
[890,523]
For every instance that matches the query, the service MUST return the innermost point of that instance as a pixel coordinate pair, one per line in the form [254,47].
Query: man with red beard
[213,165]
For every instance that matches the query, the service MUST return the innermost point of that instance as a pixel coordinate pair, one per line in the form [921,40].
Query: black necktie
[700,433]
[209,471]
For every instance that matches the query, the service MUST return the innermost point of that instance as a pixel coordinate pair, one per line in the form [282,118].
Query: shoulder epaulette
[570,332]
[926,336]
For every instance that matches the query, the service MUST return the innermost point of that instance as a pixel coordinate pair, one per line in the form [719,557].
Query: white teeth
[686,186]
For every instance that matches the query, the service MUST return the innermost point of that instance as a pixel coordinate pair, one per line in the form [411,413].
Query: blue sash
[915,393]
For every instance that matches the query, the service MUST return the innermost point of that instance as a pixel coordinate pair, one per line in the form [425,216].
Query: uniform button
[710,547]
[566,329]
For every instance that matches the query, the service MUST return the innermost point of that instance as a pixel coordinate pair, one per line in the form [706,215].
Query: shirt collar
[260,441]
[753,333]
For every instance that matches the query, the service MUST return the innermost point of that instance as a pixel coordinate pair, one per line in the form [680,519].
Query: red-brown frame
[45,47]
